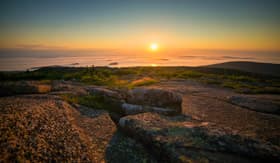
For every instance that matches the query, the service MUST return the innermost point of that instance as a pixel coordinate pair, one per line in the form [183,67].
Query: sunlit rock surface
[44,128]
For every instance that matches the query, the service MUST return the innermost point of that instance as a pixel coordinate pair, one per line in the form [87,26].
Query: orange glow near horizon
[142,40]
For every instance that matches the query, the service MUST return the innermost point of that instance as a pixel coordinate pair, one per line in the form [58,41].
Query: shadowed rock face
[155,97]
[182,139]
[130,109]
[23,87]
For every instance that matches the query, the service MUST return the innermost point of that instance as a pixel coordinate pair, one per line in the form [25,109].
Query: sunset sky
[135,24]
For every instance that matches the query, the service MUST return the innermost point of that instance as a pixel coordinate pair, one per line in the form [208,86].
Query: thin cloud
[38,47]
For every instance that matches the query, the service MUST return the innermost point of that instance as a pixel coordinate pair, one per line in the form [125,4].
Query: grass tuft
[142,82]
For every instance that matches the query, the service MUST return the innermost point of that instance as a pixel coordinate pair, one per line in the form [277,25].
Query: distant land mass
[254,67]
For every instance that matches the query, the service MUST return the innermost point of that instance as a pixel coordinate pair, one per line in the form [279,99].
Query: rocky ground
[172,121]
[255,116]
[45,128]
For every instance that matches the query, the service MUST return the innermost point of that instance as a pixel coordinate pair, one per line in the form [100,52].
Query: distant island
[254,67]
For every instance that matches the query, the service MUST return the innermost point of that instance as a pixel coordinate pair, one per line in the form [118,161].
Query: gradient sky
[129,24]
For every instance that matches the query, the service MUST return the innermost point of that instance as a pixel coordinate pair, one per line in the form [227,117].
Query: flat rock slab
[240,120]
[212,104]
[182,139]
[44,128]
[256,104]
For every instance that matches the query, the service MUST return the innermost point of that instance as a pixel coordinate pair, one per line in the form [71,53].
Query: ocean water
[21,60]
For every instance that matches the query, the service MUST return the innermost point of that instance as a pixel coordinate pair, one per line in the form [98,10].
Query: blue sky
[224,24]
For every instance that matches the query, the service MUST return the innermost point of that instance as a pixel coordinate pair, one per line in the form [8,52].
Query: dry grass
[143,82]
[43,88]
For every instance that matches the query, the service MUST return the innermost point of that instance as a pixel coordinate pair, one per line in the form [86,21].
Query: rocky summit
[171,121]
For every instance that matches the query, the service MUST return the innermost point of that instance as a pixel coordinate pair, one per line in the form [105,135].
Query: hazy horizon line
[51,48]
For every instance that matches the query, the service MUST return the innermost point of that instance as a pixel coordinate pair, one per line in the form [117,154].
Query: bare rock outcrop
[45,128]
[183,139]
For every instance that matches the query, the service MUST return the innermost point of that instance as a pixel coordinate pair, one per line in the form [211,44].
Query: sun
[154,46]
